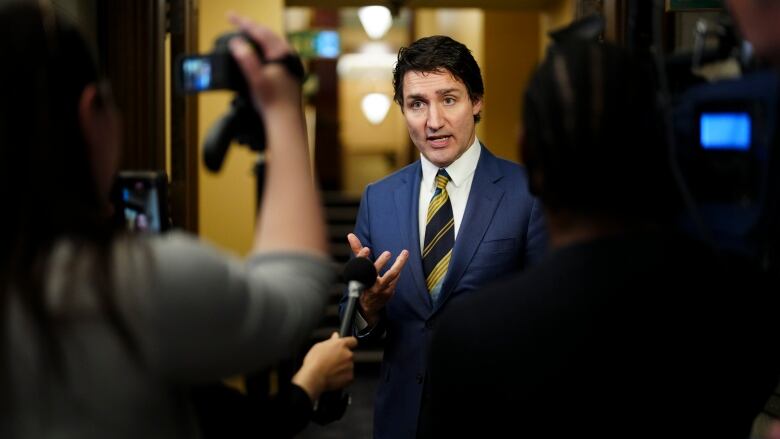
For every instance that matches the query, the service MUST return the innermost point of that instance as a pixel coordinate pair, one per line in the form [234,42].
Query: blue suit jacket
[501,232]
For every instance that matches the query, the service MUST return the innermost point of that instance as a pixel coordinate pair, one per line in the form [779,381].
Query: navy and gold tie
[439,235]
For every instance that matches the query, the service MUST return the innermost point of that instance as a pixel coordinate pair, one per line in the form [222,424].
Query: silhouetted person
[758,23]
[625,329]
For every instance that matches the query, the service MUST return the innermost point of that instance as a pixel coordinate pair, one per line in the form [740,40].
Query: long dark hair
[47,185]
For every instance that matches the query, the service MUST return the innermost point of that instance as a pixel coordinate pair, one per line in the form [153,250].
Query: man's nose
[435,118]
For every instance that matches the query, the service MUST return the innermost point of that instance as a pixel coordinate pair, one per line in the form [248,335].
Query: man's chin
[440,160]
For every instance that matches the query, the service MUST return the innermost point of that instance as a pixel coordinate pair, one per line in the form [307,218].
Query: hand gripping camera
[218,70]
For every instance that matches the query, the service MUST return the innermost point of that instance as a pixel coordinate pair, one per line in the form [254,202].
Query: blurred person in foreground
[758,21]
[102,333]
[626,329]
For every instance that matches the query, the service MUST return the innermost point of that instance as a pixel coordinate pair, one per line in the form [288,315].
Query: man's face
[759,22]
[439,115]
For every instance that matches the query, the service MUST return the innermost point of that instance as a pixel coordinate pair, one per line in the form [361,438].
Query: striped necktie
[439,235]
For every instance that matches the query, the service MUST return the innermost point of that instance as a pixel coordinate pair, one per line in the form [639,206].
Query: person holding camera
[626,328]
[758,21]
[102,333]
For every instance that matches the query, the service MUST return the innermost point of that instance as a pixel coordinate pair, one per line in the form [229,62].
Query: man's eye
[449,100]
[416,105]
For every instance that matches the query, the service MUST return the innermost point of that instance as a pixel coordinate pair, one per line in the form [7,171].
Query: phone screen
[140,201]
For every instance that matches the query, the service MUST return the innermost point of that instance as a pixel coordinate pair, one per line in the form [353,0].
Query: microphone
[360,274]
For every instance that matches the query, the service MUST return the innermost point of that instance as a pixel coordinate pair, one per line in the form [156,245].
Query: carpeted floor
[358,420]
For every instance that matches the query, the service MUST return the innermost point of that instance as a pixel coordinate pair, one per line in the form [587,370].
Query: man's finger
[364,252]
[382,260]
[354,243]
[399,263]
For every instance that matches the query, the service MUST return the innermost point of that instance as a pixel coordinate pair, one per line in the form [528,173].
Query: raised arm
[291,215]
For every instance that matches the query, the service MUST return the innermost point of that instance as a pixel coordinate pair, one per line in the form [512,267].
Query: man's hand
[375,298]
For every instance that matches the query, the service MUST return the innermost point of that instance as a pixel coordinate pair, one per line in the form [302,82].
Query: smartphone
[140,200]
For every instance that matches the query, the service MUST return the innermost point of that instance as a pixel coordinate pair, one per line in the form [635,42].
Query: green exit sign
[693,5]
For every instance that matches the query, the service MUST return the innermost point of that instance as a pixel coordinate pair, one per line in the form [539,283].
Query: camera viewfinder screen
[725,131]
[196,73]
[327,44]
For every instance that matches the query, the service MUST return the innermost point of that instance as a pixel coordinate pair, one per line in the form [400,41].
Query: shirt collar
[459,170]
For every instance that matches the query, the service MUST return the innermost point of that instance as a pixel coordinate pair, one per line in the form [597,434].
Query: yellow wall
[511,53]
[226,200]
[370,152]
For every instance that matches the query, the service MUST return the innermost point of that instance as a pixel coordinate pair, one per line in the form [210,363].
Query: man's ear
[477,106]
[100,127]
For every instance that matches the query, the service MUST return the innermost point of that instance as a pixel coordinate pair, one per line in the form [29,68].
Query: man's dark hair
[592,142]
[436,54]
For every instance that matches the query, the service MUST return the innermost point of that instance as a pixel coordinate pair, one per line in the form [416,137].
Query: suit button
[429,324]
[419,378]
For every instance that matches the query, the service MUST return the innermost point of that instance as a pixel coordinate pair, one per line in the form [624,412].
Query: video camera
[724,132]
[218,70]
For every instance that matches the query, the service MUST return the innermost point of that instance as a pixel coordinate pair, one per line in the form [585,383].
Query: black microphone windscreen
[361,270]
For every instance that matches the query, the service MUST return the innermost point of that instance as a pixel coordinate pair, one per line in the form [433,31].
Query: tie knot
[442,177]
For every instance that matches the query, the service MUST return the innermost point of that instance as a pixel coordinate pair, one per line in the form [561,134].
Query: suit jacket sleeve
[363,232]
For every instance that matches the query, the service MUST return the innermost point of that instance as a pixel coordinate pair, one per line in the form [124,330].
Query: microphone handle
[332,404]
[349,315]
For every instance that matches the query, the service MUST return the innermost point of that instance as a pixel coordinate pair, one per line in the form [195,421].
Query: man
[625,329]
[456,219]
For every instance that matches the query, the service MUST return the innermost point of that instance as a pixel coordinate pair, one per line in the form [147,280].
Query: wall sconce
[375,107]
[376,20]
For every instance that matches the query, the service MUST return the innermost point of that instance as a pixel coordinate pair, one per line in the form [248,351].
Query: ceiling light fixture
[375,107]
[376,20]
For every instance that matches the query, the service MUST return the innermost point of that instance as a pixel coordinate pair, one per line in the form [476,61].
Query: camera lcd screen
[327,44]
[725,131]
[196,73]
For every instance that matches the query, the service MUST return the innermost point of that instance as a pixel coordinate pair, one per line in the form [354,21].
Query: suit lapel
[480,208]
[407,203]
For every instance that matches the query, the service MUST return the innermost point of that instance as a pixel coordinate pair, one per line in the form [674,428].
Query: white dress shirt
[461,173]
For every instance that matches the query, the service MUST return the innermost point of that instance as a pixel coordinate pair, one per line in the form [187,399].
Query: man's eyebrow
[441,92]
[447,91]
